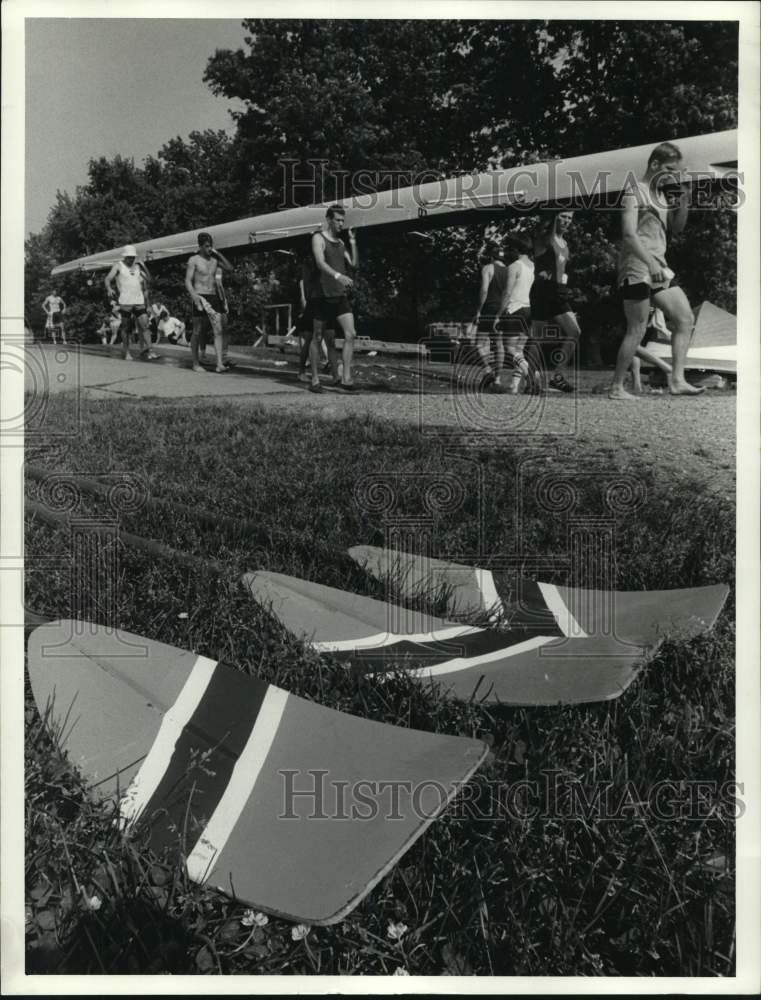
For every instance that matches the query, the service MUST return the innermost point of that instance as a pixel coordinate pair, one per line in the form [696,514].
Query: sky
[98,87]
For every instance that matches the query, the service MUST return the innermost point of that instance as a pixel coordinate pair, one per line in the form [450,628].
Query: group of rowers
[522,306]
[525,305]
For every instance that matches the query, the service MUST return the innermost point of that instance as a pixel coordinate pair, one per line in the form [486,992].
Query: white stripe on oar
[492,600]
[153,768]
[555,603]
[389,638]
[240,786]
[469,663]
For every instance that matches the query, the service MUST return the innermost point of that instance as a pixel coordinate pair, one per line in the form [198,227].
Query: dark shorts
[516,324]
[549,299]
[56,319]
[132,310]
[640,291]
[305,320]
[330,308]
[216,303]
[487,324]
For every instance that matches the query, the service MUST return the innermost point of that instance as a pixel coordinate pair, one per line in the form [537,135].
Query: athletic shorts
[516,324]
[487,324]
[639,291]
[56,319]
[216,303]
[132,310]
[328,309]
[549,299]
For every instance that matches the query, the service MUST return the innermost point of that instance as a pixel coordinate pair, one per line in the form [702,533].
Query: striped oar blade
[546,660]
[639,617]
[274,800]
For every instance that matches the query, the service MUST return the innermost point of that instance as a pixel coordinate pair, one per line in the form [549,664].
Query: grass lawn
[565,891]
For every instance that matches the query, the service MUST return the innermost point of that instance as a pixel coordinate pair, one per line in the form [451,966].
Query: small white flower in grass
[401,971]
[396,931]
[300,931]
[93,902]
[254,919]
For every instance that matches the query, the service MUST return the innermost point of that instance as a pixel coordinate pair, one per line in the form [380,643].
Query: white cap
[129,252]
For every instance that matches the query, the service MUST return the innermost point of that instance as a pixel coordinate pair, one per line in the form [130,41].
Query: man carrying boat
[332,261]
[644,279]
[131,277]
[203,282]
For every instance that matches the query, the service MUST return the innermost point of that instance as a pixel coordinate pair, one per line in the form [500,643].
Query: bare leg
[314,351]
[144,336]
[225,339]
[519,365]
[219,338]
[534,355]
[678,315]
[346,323]
[483,343]
[329,350]
[636,323]
[499,359]
[125,330]
[194,340]
[636,370]
[566,349]
[653,359]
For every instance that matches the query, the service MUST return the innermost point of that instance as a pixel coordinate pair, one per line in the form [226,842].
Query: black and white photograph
[454,670]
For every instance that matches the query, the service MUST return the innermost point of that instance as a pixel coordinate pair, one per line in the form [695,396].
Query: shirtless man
[203,281]
[643,276]
[332,261]
[54,307]
[132,279]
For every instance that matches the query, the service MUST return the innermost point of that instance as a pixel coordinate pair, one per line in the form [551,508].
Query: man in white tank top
[131,277]
[515,324]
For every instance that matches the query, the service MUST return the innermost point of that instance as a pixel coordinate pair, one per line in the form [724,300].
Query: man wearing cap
[132,278]
[203,281]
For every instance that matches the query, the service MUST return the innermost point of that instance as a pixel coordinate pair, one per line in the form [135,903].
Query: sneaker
[316,387]
[559,383]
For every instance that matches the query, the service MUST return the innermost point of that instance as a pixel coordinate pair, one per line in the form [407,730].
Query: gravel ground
[691,437]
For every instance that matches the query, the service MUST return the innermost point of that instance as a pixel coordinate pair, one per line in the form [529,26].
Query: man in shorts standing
[203,282]
[54,307]
[131,277]
[333,309]
[644,279]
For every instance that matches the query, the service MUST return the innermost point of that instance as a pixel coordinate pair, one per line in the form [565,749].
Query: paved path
[102,374]
[675,435]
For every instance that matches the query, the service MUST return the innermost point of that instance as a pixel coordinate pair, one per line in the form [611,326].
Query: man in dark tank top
[333,308]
